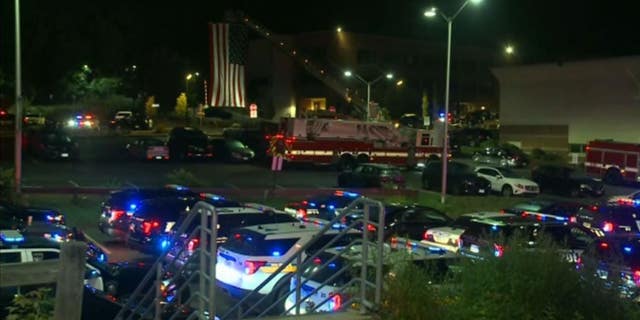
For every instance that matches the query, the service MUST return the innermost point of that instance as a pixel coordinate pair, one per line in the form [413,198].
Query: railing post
[203,262]
[365,258]
[69,288]
[213,256]
[157,300]
[380,257]
[298,282]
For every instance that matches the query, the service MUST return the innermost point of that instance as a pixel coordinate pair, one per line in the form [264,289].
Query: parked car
[131,122]
[448,237]
[148,149]
[21,216]
[541,209]
[490,238]
[232,150]
[321,206]
[461,179]
[407,221]
[6,119]
[123,114]
[34,119]
[251,255]
[612,218]
[51,144]
[631,198]
[372,175]
[502,157]
[565,181]
[507,182]
[189,143]
[116,210]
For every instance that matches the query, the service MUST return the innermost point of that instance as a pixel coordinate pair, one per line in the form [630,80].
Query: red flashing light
[607,227]
[587,148]
[317,261]
[636,277]
[88,117]
[305,202]
[301,213]
[148,226]
[335,301]
[116,215]
[604,245]
[250,267]
[428,236]
[371,228]
[2,112]
[573,219]
[237,236]
[193,244]
[498,250]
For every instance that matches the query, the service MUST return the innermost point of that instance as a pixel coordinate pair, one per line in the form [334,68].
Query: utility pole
[18,119]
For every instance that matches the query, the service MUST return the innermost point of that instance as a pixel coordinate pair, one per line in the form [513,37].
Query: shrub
[34,305]
[183,177]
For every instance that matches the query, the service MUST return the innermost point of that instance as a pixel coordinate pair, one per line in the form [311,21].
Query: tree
[148,106]
[181,105]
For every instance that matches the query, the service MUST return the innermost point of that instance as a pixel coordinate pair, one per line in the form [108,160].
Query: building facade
[561,107]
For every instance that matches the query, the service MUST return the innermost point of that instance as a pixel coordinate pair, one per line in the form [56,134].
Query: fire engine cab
[615,162]
[346,142]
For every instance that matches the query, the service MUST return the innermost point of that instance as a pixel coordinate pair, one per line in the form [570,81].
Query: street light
[187,78]
[509,50]
[389,75]
[339,29]
[445,146]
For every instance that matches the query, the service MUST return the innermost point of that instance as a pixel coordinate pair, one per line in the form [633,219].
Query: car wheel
[283,290]
[507,191]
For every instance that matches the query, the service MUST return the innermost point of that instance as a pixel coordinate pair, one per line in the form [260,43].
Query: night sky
[168,40]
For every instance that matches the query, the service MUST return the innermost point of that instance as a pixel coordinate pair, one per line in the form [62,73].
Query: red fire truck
[615,162]
[346,142]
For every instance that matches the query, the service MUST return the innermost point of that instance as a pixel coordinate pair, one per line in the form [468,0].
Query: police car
[489,237]
[15,216]
[323,206]
[541,209]
[18,248]
[619,217]
[117,209]
[254,253]
[448,237]
[617,260]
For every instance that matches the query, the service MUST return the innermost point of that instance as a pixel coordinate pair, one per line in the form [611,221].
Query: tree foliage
[34,305]
[181,105]
[149,110]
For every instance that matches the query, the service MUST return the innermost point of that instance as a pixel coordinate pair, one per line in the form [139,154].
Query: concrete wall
[597,99]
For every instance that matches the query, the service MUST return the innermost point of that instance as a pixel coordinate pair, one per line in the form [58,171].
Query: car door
[493,176]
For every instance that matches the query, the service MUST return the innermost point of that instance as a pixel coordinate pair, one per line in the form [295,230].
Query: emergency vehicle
[347,142]
[615,162]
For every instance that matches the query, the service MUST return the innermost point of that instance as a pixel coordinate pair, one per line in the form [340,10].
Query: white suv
[252,254]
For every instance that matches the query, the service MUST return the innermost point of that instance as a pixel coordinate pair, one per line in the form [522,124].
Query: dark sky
[169,38]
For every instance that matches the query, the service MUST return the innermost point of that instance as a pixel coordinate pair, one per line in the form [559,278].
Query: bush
[183,177]
[34,305]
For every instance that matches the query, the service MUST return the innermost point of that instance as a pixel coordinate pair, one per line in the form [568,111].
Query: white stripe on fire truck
[607,166]
[312,152]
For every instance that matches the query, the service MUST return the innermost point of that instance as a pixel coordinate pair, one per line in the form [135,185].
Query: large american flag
[228,56]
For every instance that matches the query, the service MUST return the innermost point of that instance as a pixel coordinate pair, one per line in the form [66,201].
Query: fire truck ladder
[316,71]
[180,289]
[364,288]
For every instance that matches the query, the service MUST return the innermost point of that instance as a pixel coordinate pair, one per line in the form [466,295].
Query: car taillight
[607,227]
[193,244]
[250,267]
[335,302]
[116,215]
[498,250]
[428,236]
[573,219]
[636,277]
[149,226]
[301,213]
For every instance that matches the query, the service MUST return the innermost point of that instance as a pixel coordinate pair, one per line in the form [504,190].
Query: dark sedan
[51,144]
[17,217]
[232,150]
[565,181]
[461,179]
[371,175]
[541,209]
[322,206]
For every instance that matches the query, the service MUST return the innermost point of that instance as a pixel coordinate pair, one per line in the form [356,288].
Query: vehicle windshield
[57,138]
[508,173]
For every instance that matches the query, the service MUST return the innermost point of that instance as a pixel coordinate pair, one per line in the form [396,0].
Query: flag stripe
[227,65]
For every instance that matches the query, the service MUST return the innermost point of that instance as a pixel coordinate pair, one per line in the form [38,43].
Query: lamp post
[186,93]
[369,84]
[445,145]
[18,118]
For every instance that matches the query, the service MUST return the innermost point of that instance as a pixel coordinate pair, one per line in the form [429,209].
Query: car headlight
[519,186]
[585,186]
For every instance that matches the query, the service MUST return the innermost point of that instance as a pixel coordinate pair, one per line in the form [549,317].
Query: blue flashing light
[494,227]
[133,206]
[50,217]
[102,258]
[164,244]
[351,194]
[312,204]
[332,265]
[248,238]
[12,236]
[561,218]
[79,117]
[332,207]
[275,253]
[627,249]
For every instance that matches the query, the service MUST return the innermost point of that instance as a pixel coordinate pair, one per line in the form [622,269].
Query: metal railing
[169,270]
[303,259]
